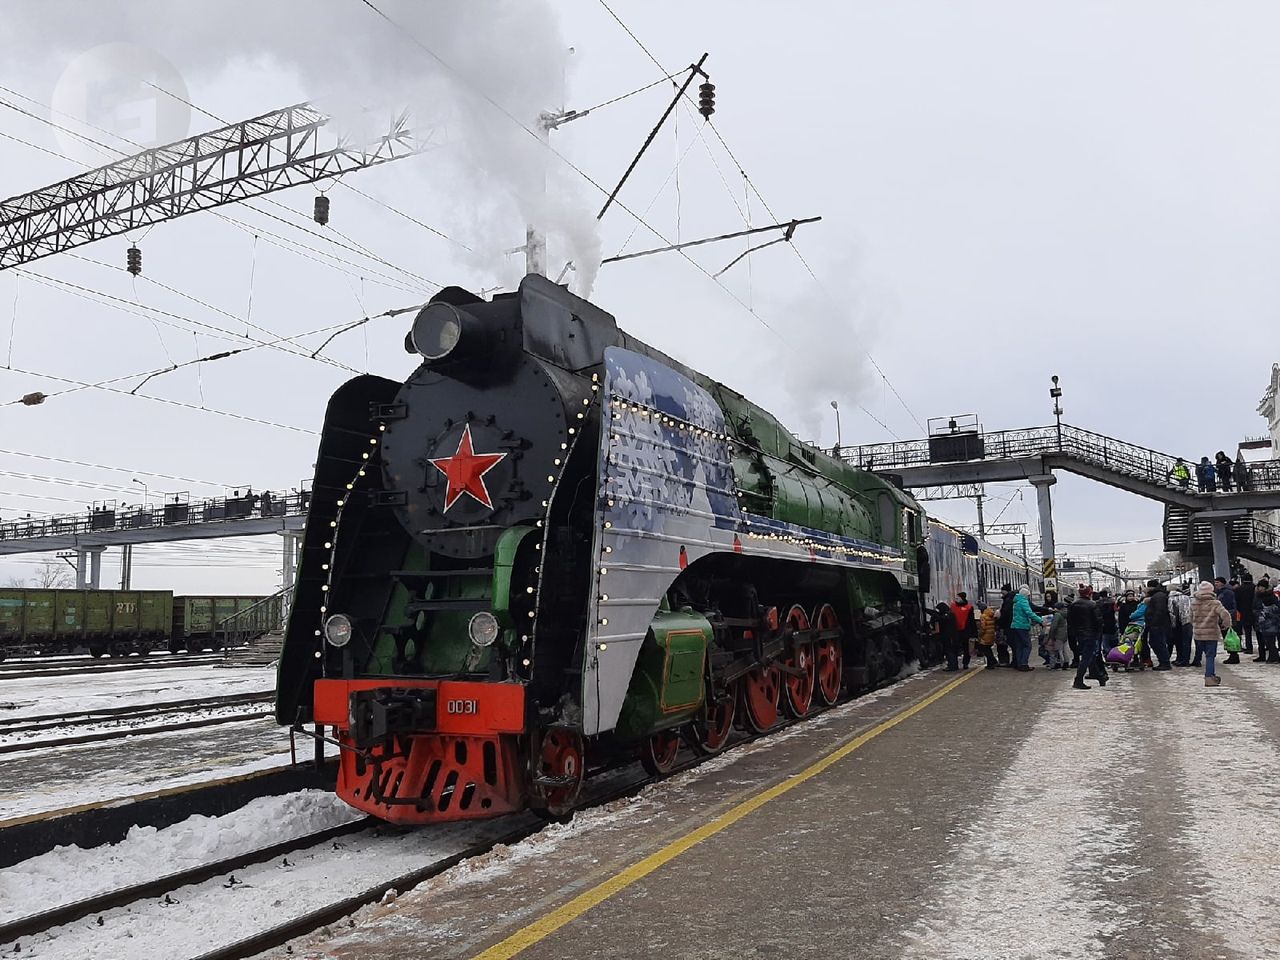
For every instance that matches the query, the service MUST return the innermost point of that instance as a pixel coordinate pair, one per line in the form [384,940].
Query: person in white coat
[1209,623]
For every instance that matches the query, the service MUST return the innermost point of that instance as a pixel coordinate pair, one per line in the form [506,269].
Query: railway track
[95,718]
[29,926]
[142,711]
[24,669]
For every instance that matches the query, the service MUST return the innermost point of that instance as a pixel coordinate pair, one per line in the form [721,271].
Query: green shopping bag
[1231,642]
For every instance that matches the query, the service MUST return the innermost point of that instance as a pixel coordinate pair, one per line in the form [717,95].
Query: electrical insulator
[706,100]
[33,399]
[321,213]
[133,263]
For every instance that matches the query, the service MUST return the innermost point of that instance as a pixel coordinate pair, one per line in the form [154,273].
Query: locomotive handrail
[292,503]
[1086,446]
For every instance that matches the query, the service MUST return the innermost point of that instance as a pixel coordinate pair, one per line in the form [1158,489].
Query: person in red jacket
[966,625]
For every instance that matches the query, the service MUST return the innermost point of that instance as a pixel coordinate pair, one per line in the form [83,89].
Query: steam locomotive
[552,547]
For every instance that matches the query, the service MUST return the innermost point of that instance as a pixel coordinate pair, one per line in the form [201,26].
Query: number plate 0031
[465,707]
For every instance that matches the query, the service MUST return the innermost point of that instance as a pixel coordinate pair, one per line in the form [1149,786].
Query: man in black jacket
[1004,623]
[1107,608]
[944,622]
[1245,594]
[1084,627]
[1158,623]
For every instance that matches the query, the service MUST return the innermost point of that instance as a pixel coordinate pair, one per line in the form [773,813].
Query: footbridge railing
[258,618]
[1065,441]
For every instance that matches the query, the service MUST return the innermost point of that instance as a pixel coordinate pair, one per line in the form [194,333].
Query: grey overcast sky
[1009,190]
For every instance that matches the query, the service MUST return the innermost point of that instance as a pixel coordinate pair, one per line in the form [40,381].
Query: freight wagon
[121,622]
[198,621]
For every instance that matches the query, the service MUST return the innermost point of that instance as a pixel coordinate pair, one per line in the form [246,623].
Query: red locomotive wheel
[761,688]
[561,759]
[797,690]
[828,656]
[658,755]
[711,731]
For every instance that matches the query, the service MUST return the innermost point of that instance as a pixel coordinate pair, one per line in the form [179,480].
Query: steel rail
[88,717]
[28,746]
[109,666]
[37,923]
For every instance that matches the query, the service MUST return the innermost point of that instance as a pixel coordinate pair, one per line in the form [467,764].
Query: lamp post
[1056,393]
[145,501]
[836,407]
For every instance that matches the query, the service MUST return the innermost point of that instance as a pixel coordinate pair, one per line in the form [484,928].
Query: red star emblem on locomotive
[465,470]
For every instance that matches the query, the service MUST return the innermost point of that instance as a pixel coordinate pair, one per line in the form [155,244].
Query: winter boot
[1212,681]
[1232,658]
[1080,685]
[1273,656]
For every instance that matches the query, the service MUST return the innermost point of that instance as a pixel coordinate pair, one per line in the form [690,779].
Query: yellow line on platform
[545,926]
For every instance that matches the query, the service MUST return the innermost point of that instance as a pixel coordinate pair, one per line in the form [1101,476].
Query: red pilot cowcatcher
[465,471]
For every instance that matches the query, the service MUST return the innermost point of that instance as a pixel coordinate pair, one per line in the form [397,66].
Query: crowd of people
[1089,631]
[1220,473]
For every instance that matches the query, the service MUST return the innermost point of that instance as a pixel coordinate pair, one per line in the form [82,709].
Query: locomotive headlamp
[337,630]
[437,329]
[483,629]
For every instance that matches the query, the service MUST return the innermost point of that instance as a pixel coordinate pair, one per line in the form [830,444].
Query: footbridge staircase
[1248,537]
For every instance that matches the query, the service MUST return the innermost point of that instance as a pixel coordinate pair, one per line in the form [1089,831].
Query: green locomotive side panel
[779,477]
[382,660]
[440,640]
[667,686]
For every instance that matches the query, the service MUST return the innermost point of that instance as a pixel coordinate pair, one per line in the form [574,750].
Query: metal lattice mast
[281,149]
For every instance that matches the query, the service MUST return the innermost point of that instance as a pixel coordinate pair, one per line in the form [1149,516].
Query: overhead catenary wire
[104,466]
[619,99]
[754,189]
[173,403]
[149,312]
[148,375]
[567,162]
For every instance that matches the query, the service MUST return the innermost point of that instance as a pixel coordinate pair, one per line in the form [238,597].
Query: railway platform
[986,815]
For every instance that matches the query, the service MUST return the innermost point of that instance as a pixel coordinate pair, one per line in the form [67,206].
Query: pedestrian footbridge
[1196,524]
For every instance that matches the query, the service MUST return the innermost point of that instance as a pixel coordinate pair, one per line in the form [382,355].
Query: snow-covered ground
[111,770]
[210,914]
[36,696]
[70,874]
[124,726]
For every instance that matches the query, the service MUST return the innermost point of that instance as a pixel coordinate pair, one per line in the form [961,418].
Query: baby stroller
[1127,652]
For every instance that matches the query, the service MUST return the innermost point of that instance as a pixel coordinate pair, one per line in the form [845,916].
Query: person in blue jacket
[1023,618]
